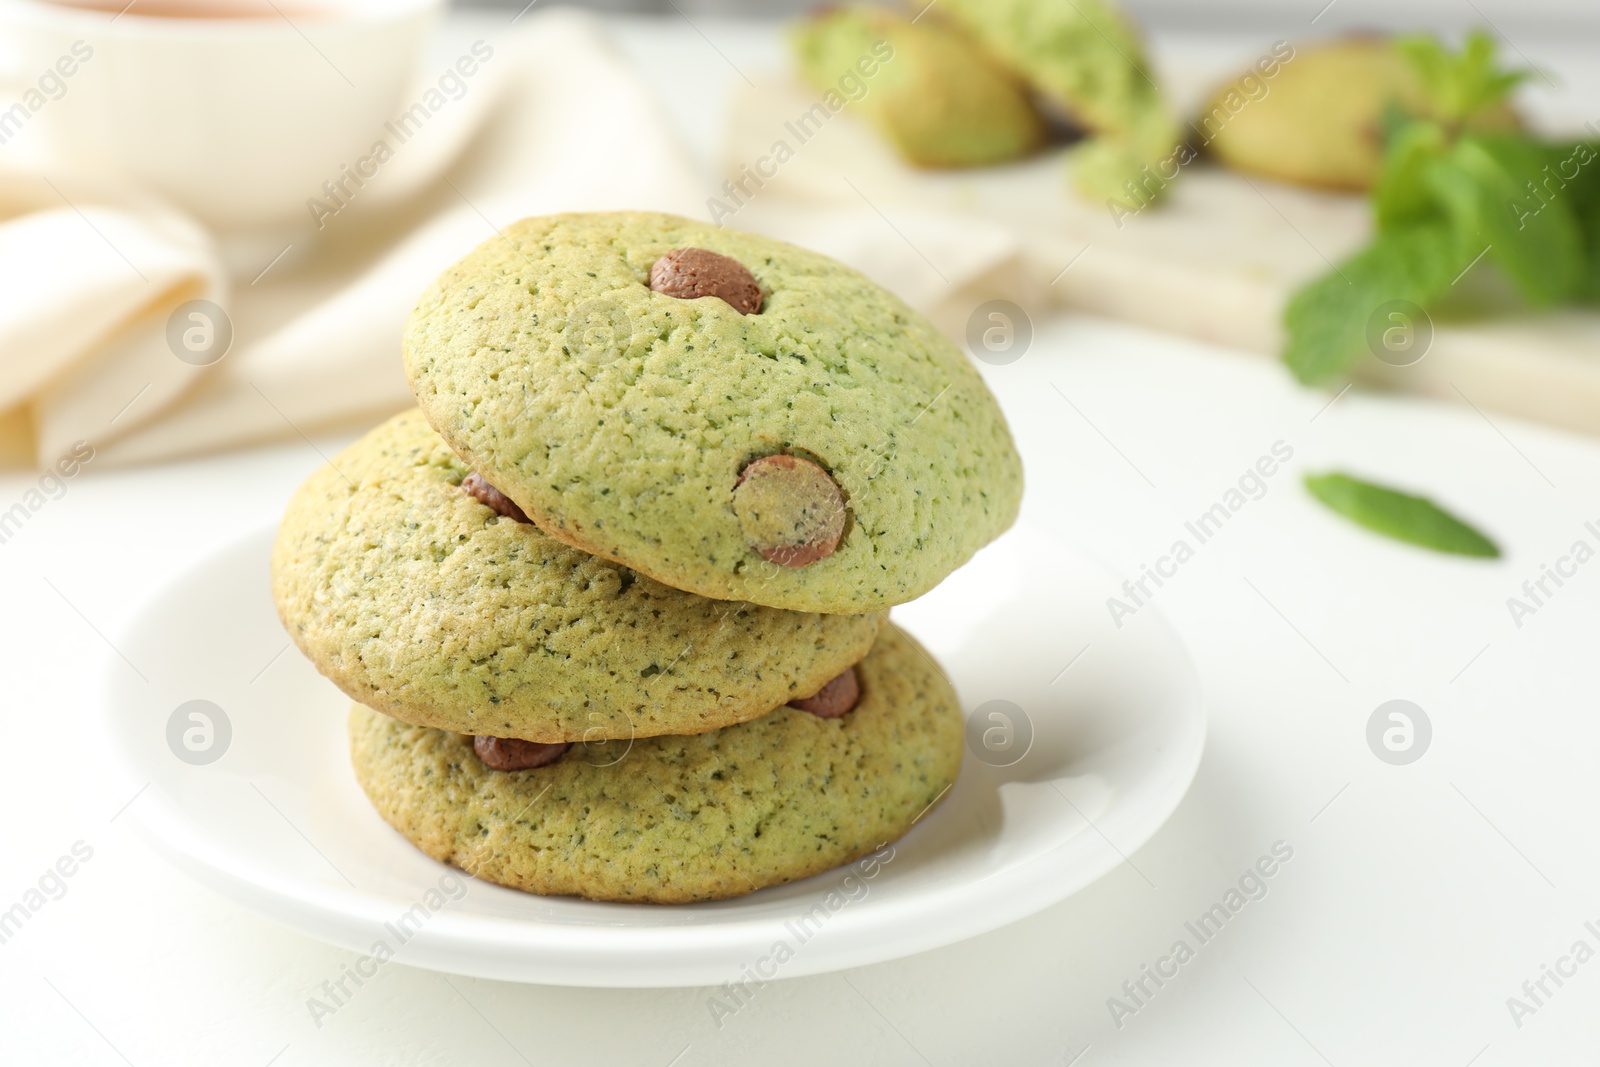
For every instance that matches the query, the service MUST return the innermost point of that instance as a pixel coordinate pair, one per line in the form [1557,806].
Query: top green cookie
[625,421]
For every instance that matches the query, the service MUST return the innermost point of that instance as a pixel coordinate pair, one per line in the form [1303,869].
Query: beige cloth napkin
[89,275]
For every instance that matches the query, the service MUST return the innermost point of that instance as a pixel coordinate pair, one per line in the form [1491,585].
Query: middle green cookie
[417,600]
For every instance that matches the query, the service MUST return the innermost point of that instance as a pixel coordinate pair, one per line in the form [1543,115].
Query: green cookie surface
[680,819]
[416,599]
[620,418]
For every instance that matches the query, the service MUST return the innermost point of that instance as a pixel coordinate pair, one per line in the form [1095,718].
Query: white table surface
[1419,898]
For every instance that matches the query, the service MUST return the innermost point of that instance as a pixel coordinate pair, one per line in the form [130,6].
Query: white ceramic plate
[276,821]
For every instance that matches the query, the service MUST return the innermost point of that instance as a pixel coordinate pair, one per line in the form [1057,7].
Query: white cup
[237,115]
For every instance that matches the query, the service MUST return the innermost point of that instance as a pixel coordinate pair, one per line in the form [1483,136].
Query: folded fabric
[90,274]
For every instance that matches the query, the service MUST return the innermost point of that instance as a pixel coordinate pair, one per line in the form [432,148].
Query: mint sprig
[1446,198]
[1460,84]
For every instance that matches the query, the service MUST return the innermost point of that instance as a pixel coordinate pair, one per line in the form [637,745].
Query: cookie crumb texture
[417,599]
[672,820]
[620,418]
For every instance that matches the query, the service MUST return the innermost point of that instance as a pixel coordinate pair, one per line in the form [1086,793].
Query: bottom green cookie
[671,820]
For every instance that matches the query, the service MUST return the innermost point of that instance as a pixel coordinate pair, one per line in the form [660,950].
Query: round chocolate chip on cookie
[491,498]
[515,754]
[791,511]
[838,697]
[690,273]
[641,457]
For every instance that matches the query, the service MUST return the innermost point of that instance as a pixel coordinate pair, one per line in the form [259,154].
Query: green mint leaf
[1401,194]
[1327,320]
[1503,195]
[1412,519]
[1589,290]
[1577,164]
[1429,59]
[1462,84]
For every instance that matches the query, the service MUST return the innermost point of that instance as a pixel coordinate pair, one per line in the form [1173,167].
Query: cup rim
[341,14]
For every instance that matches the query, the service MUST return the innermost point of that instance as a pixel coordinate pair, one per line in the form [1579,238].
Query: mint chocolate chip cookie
[725,413]
[935,95]
[1086,58]
[413,586]
[679,819]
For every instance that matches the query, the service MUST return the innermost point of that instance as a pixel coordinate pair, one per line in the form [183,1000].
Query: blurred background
[1172,236]
[227,206]
[1551,15]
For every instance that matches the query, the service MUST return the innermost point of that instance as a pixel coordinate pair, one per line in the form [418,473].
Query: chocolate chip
[515,754]
[790,510]
[836,698]
[688,273]
[492,498]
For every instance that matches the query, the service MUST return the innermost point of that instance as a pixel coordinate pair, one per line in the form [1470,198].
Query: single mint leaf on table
[1326,320]
[1412,519]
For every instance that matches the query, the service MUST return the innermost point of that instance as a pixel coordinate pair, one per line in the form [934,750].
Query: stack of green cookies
[612,603]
